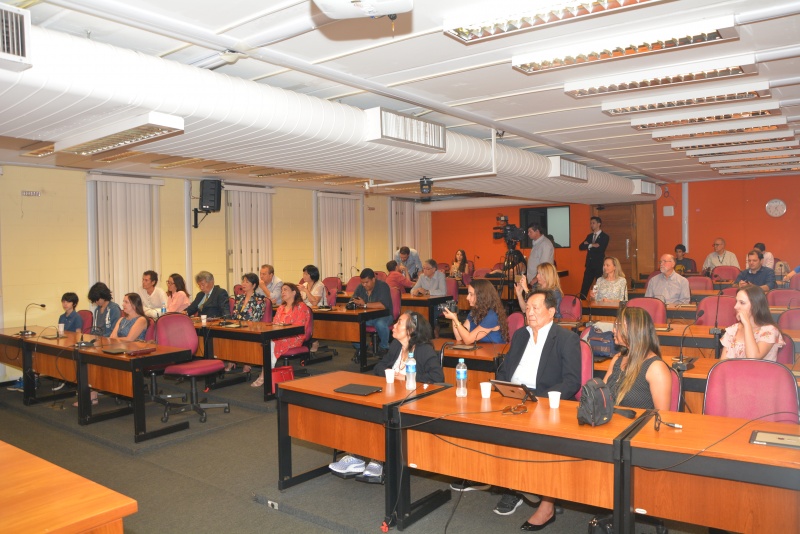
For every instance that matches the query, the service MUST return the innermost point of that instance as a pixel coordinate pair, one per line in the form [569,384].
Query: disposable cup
[203,319]
[389,376]
[486,390]
[61,330]
[555,398]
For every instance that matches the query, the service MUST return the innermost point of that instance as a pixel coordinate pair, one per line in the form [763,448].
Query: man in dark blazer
[211,300]
[595,246]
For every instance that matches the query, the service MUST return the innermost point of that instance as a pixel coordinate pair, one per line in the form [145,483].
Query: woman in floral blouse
[249,306]
[612,286]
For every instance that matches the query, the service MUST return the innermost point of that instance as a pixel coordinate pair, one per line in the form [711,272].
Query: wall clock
[776,207]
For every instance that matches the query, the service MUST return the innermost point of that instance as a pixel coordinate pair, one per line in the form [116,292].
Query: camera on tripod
[511,233]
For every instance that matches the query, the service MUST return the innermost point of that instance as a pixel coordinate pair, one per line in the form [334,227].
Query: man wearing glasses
[669,286]
[431,283]
[720,256]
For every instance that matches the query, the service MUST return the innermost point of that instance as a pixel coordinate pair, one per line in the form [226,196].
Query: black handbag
[602,343]
[601,524]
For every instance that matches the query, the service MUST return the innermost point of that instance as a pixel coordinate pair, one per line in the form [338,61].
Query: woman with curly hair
[487,317]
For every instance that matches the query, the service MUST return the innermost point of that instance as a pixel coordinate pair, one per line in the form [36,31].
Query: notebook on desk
[358,389]
[759,437]
[114,350]
[465,347]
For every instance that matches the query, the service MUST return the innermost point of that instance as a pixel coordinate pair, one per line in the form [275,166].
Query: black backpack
[596,406]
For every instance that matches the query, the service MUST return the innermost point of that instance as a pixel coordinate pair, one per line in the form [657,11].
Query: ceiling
[277,87]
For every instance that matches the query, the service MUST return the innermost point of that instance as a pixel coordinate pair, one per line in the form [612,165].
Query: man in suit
[211,300]
[595,246]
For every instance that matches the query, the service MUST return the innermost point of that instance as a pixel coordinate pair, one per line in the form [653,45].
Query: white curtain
[127,232]
[249,231]
[411,228]
[341,237]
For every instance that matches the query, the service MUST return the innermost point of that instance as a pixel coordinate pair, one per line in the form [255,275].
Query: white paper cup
[486,390]
[555,398]
[389,376]
[203,319]
[61,330]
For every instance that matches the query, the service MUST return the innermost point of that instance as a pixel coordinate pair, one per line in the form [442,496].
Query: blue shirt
[72,323]
[762,277]
[489,322]
[413,263]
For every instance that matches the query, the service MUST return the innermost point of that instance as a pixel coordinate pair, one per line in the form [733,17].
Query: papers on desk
[231,325]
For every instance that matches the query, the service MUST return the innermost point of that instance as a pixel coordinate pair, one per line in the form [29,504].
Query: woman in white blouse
[755,335]
[612,286]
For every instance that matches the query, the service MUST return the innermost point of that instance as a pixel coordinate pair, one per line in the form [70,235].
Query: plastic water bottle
[411,372]
[163,309]
[461,378]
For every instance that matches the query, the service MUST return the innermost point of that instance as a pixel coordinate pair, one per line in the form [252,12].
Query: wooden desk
[425,306]
[310,409]
[732,485]
[696,294]
[38,496]
[339,324]
[482,362]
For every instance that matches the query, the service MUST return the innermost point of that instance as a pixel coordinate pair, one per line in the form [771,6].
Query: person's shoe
[468,485]
[58,386]
[508,504]
[374,469]
[348,464]
[530,527]
[230,366]
[258,382]
[16,386]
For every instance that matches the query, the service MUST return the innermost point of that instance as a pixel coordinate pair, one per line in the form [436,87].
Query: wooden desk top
[700,370]
[485,351]
[38,496]
[341,311]
[253,327]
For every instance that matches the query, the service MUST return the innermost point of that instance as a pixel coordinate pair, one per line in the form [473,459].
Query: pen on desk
[672,425]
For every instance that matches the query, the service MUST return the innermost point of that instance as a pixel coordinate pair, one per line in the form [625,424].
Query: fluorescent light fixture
[117,155]
[614,47]
[347,181]
[529,16]
[668,76]
[173,162]
[780,162]
[698,96]
[126,133]
[755,156]
[225,167]
[38,150]
[274,173]
[722,113]
[309,177]
[787,168]
[733,140]
[760,148]
[763,124]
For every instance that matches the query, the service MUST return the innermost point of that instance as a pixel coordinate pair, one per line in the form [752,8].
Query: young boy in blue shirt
[71,319]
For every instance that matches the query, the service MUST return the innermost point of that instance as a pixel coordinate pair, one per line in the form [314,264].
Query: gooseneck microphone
[716,330]
[684,365]
[25,332]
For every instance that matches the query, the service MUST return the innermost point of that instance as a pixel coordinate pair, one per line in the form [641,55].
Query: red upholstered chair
[723,311]
[481,273]
[587,366]
[334,283]
[238,289]
[88,320]
[150,333]
[794,283]
[699,283]
[515,321]
[497,267]
[650,277]
[267,317]
[397,299]
[725,272]
[655,307]
[172,330]
[675,401]
[786,353]
[331,296]
[443,267]
[471,266]
[451,285]
[352,284]
[466,279]
[750,389]
[730,291]
[381,275]
[571,308]
[692,265]
[177,330]
[232,303]
[784,297]
[303,352]
[789,320]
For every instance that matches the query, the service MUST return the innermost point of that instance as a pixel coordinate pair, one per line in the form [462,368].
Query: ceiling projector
[353,9]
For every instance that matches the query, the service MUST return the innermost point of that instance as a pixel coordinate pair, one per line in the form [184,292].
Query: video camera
[451,305]
[510,232]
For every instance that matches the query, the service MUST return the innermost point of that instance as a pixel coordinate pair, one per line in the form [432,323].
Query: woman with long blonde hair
[547,279]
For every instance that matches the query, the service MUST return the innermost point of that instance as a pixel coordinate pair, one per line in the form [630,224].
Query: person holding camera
[487,317]
[546,279]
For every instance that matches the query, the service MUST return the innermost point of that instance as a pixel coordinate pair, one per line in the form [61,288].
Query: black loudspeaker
[210,195]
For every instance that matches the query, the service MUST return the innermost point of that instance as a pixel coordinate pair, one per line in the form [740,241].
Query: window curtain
[340,235]
[249,232]
[411,228]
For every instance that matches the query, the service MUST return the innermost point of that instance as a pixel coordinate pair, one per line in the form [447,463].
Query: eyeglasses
[515,410]
[657,423]
[717,244]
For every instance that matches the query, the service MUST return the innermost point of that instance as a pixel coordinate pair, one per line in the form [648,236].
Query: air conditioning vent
[389,127]
[15,26]
[568,170]
[641,187]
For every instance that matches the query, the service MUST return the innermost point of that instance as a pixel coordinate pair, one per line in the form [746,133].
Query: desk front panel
[11,356]
[339,432]
[336,330]
[250,352]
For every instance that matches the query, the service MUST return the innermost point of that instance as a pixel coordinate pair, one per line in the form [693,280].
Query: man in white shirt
[270,285]
[669,286]
[153,298]
[431,283]
[720,256]
[542,250]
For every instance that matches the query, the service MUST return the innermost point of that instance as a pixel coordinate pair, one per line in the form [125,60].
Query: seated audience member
[398,276]
[669,286]
[755,334]
[107,312]
[542,250]
[612,286]
[71,319]
[177,295]
[248,306]
[546,358]
[412,335]
[791,273]
[312,290]
[720,256]
[375,294]
[269,284]
[487,319]
[460,265]
[546,280]
[769,259]
[756,274]
[682,263]
[409,258]
[431,283]
[153,298]
[293,311]
[212,300]
[637,376]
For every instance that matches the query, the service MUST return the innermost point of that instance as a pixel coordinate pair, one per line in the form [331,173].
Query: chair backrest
[381,275]
[794,283]
[717,310]
[352,284]
[730,291]
[238,289]
[267,317]
[786,353]
[750,389]
[655,307]
[443,267]
[452,288]
[699,283]
[176,330]
[471,266]
[784,297]
[397,299]
[309,327]
[497,267]
[333,282]
[692,264]
[650,277]
[88,320]
[232,303]
[789,320]
[675,401]
[150,334]
[466,279]
[571,308]
[725,272]
[331,295]
[481,273]
[587,366]
[515,321]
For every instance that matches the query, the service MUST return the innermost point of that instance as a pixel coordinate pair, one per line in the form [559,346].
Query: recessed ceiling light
[125,133]
[733,140]
[173,162]
[762,124]
[760,148]
[115,156]
[274,173]
[787,168]
[38,150]
[753,156]
[780,162]
[719,113]
[225,167]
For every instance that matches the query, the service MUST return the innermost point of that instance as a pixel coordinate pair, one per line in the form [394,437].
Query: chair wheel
[203,418]
[227,409]
[164,418]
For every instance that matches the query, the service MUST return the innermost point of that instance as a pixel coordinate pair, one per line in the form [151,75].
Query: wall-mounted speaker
[210,195]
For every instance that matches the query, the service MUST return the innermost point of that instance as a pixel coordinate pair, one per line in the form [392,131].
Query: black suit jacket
[429,368]
[595,255]
[559,366]
[217,304]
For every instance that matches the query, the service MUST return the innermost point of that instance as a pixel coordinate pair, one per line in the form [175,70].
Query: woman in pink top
[177,296]
[755,335]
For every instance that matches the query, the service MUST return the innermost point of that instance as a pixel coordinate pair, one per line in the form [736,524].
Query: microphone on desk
[590,322]
[716,330]
[25,332]
[684,365]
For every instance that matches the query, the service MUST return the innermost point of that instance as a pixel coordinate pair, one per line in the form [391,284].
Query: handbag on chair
[281,374]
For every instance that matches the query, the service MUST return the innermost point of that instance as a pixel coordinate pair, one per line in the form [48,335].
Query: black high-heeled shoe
[530,527]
